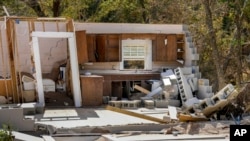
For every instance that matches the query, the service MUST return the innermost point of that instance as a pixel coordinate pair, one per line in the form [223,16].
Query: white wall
[51,50]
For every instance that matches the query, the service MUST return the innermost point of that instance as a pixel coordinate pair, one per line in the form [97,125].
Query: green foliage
[6,133]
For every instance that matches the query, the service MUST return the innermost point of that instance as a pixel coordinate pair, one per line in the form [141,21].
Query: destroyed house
[89,61]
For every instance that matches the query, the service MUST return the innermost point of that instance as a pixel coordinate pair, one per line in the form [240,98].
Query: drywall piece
[73,62]
[172,112]
[157,91]
[155,84]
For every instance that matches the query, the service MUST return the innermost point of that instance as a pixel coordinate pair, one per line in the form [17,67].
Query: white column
[39,82]
[75,72]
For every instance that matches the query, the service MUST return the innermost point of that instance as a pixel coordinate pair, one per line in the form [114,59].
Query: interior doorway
[73,64]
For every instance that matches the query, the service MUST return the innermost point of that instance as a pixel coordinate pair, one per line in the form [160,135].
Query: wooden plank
[115,109]
[81,43]
[11,41]
[187,118]
[171,52]
[145,91]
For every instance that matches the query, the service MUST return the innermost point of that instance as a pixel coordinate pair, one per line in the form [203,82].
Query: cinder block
[130,104]
[115,103]
[161,103]
[149,104]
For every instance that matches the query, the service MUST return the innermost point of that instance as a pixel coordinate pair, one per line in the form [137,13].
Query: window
[136,54]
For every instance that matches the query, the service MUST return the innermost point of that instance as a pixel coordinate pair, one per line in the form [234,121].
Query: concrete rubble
[172,107]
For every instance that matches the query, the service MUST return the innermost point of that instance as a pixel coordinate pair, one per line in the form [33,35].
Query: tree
[213,43]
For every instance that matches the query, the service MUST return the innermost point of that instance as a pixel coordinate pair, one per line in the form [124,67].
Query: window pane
[133,64]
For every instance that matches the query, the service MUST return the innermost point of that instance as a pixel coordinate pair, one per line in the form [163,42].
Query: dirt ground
[58,99]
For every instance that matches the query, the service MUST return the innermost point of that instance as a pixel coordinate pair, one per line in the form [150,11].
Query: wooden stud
[115,109]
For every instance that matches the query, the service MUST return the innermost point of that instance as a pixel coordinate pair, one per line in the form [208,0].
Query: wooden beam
[145,91]
[115,109]
[11,43]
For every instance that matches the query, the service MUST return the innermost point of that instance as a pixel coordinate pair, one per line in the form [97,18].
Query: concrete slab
[160,137]
[91,117]
[25,137]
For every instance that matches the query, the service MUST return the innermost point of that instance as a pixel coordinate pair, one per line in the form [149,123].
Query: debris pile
[181,88]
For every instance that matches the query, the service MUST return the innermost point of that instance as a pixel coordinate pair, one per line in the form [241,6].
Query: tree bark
[238,49]
[220,83]
[36,7]
[56,8]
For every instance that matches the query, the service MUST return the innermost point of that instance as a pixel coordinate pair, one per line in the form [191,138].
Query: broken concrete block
[174,102]
[161,103]
[205,103]
[149,104]
[223,93]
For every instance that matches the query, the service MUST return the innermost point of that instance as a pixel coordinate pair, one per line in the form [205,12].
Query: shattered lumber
[115,109]
[145,91]
[187,117]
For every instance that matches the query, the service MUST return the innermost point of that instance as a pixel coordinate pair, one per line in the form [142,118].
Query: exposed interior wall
[51,50]
[16,43]
[4,55]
